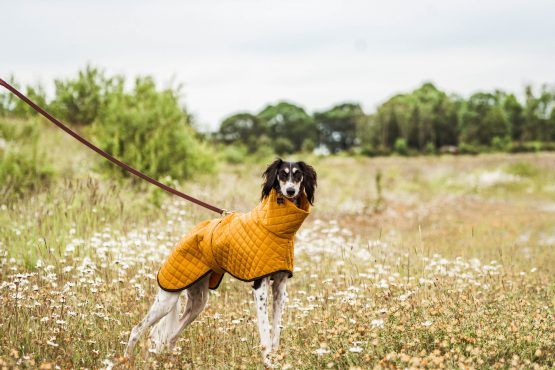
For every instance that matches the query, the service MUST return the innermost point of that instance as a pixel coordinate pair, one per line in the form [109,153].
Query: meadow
[421,262]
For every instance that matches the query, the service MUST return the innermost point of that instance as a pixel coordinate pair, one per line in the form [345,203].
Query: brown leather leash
[109,157]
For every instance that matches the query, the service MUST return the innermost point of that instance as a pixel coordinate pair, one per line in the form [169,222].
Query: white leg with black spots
[261,302]
[279,296]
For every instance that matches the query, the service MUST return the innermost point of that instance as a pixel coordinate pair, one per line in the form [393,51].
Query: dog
[287,194]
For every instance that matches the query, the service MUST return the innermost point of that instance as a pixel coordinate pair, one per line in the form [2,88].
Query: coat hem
[185,287]
[219,282]
[261,276]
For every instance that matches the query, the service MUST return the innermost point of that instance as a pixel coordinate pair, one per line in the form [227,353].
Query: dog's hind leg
[163,304]
[279,296]
[260,293]
[167,331]
[161,331]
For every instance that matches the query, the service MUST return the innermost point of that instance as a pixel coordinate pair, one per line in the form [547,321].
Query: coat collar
[281,216]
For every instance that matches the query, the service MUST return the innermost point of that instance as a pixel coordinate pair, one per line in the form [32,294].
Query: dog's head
[289,179]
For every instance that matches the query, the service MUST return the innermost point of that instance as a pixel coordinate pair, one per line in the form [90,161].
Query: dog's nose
[290,191]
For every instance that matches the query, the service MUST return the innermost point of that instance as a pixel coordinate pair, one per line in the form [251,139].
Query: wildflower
[321,351]
[378,323]
[109,364]
[426,323]
[355,349]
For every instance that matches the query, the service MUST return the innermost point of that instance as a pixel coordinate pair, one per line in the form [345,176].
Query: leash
[109,157]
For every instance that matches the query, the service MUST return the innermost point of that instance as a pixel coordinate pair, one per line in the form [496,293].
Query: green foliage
[426,115]
[425,120]
[234,154]
[501,143]
[515,116]
[523,169]
[308,146]
[283,145]
[289,126]
[243,128]
[23,165]
[12,106]
[531,147]
[337,127]
[401,146]
[467,148]
[483,118]
[539,115]
[149,130]
[430,149]
[80,100]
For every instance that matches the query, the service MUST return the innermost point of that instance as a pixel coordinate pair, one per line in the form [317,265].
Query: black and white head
[289,179]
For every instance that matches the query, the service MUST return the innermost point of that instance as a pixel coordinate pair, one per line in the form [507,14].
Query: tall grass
[454,269]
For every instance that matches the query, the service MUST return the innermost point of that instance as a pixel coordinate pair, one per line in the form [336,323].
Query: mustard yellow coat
[246,245]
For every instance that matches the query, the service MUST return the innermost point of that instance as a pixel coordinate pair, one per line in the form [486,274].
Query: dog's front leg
[279,295]
[260,293]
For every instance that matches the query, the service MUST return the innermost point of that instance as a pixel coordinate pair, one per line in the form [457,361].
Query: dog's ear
[309,180]
[270,178]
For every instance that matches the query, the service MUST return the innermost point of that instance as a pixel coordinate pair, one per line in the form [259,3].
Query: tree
[538,115]
[243,128]
[424,118]
[483,119]
[515,115]
[288,121]
[337,127]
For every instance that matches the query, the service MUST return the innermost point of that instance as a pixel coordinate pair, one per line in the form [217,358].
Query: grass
[450,264]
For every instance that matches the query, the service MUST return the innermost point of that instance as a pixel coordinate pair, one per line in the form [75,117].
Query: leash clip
[226,212]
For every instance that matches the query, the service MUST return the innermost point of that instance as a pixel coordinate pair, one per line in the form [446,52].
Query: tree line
[426,120]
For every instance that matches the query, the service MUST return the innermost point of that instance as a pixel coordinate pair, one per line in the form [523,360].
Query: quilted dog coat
[246,245]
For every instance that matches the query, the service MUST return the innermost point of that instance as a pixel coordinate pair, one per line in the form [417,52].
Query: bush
[23,165]
[401,146]
[371,151]
[465,148]
[11,105]
[149,130]
[526,147]
[430,149]
[283,145]
[308,146]
[234,154]
[501,143]
[80,100]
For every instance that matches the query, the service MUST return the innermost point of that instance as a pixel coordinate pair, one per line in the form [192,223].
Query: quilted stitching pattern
[248,245]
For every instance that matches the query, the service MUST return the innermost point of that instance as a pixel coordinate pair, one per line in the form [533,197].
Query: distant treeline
[426,120]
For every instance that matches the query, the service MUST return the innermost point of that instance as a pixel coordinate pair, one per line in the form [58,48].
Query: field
[441,262]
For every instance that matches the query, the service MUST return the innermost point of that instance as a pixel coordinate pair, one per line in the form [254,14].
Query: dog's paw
[124,362]
[268,363]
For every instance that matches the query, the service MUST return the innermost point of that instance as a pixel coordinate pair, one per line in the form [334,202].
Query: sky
[240,55]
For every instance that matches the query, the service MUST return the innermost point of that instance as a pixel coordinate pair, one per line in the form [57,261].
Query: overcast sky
[241,55]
